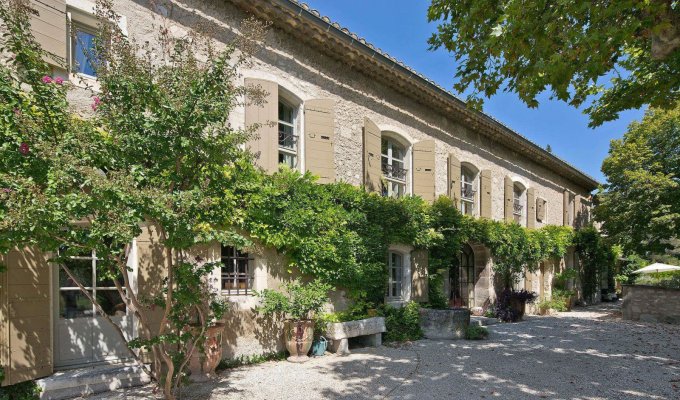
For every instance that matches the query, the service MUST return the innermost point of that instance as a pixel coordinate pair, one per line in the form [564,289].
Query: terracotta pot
[202,364]
[299,336]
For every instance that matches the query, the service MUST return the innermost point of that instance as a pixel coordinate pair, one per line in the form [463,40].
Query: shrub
[504,310]
[250,360]
[670,280]
[28,390]
[402,323]
[476,332]
[301,301]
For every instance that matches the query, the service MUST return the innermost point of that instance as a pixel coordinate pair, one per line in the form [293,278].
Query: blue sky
[400,28]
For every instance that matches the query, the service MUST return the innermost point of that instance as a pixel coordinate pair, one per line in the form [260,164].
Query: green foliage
[639,207]
[559,301]
[402,323]
[302,301]
[437,297]
[596,257]
[528,47]
[670,280]
[28,390]
[476,332]
[250,360]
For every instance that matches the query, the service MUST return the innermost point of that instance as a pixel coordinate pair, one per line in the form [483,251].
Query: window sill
[85,82]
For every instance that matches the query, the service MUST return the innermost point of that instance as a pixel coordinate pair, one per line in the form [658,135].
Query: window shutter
[454,179]
[423,169]
[485,198]
[540,209]
[372,157]
[509,197]
[265,143]
[531,208]
[25,323]
[419,278]
[48,25]
[320,139]
[565,208]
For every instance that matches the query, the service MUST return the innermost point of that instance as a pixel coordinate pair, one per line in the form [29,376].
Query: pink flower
[23,148]
[46,79]
[59,80]
[96,102]
[6,190]
[17,112]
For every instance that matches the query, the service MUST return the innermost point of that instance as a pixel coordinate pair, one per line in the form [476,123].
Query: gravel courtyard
[586,354]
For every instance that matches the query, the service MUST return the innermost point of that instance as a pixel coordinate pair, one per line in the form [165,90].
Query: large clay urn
[202,364]
[299,336]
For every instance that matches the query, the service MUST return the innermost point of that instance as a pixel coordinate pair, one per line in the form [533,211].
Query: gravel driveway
[586,354]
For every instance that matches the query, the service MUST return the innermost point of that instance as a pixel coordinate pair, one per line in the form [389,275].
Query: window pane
[105,278]
[285,113]
[111,302]
[80,268]
[83,48]
[288,159]
[287,137]
[235,271]
[74,304]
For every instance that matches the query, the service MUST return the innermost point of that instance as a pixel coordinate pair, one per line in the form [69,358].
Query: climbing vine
[595,258]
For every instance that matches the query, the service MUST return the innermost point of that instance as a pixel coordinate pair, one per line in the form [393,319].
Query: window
[82,50]
[393,168]
[467,191]
[288,138]
[464,288]
[395,268]
[73,303]
[518,204]
[236,279]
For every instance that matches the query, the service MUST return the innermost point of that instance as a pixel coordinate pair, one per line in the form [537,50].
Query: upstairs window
[236,276]
[393,166]
[288,136]
[518,211]
[468,191]
[82,50]
[395,268]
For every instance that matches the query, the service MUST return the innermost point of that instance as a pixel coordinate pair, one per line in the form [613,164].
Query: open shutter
[423,169]
[509,198]
[419,278]
[540,209]
[25,323]
[266,114]
[454,188]
[372,157]
[48,25]
[485,197]
[320,139]
[531,205]
[565,208]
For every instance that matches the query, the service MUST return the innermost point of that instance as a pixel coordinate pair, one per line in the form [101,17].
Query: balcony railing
[288,140]
[467,193]
[517,208]
[394,172]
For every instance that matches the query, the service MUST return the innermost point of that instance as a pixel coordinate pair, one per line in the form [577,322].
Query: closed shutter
[485,199]
[540,209]
[48,25]
[531,205]
[423,169]
[320,139]
[265,143]
[372,157]
[454,179]
[25,322]
[419,276]
[565,208]
[509,198]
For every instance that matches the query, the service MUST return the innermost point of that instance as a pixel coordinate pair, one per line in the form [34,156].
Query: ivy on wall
[595,258]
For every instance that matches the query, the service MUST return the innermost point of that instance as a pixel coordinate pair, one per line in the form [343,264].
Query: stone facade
[651,304]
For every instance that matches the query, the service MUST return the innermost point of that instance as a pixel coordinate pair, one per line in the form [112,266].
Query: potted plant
[297,307]
[511,304]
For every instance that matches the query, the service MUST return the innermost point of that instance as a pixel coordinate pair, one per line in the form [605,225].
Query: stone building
[342,109]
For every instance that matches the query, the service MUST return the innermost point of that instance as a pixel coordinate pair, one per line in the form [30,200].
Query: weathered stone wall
[444,324]
[651,304]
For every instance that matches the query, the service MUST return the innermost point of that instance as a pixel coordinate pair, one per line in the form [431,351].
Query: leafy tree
[157,149]
[567,47]
[639,207]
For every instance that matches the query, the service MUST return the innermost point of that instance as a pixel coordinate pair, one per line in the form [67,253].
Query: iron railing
[517,208]
[394,172]
[288,140]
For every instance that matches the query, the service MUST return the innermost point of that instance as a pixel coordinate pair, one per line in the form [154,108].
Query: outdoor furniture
[340,332]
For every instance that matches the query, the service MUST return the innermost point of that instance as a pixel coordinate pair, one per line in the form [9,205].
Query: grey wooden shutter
[48,25]
[531,208]
[485,196]
[265,143]
[419,276]
[25,323]
[540,209]
[372,157]
[565,208]
[454,179]
[320,139]
[423,169]
[509,199]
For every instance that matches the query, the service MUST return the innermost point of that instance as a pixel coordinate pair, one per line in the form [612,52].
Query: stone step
[82,382]
[482,321]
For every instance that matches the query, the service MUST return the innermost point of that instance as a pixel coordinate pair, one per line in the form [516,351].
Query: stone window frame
[474,186]
[246,277]
[393,138]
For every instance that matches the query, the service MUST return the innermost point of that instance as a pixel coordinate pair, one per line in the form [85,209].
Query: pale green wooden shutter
[48,25]
[565,208]
[372,157]
[423,170]
[265,143]
[531,208]
[320,139]
[509,199]
[540,209]
[454,187]
[485,195]
[419,276]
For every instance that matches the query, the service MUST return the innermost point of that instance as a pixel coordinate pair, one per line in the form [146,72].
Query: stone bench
[340,332]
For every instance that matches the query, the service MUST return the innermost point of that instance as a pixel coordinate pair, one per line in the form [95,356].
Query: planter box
[340,332]
[444,324]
